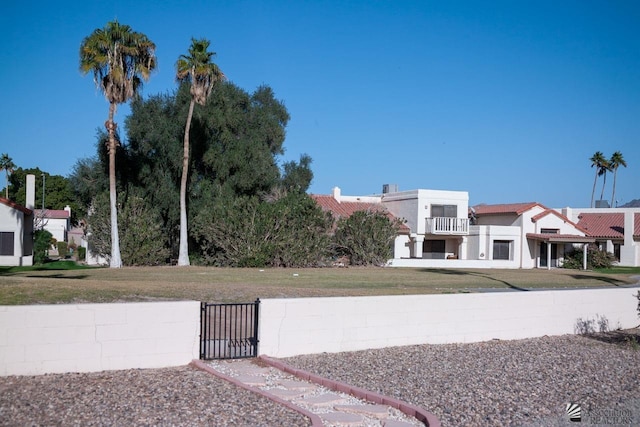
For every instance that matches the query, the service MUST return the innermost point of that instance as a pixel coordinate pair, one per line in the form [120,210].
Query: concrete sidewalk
[325,402]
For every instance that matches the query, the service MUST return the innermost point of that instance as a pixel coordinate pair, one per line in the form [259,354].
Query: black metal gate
[228,331]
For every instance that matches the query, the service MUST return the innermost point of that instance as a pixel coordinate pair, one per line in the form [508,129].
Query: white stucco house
[443,231]
[16,229]
[616,230]
[55,221]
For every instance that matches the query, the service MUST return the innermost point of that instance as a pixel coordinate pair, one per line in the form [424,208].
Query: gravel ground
[181,396]
[496,383]
[501,383]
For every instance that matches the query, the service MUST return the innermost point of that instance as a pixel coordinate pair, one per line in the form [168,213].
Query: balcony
[447,226]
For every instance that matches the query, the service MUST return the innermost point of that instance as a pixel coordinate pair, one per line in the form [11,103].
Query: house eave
[560,238]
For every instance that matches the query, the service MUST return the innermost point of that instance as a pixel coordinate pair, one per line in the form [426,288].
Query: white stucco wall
[41,339]
[12,221]
[290,327]
[481,238]
[58,228]
[415,205]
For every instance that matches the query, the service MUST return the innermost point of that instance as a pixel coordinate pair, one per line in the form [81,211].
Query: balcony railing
[447,225]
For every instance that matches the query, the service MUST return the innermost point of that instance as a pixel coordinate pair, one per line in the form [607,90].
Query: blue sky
[507,100]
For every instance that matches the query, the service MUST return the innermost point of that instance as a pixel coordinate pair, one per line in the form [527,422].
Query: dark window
[501,249]
[6,243]
[433,249]
[448,211]
[549,231]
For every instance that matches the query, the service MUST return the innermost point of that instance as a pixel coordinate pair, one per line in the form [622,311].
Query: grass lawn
[67,283]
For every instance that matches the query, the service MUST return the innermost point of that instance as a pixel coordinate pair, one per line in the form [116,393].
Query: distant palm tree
[616,161]
[118,58]
[597,160]
[197,69]
[6,164]
[604,168]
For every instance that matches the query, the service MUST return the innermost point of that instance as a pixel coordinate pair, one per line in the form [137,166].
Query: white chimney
[31,192]
[336,193]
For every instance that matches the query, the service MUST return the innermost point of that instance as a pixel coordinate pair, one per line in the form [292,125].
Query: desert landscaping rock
[182,396]
[495,383]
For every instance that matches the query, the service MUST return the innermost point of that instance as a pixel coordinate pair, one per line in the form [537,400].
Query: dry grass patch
[234,285]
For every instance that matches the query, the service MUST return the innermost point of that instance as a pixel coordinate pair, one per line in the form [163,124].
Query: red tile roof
[53,213]
[607,225]
[346,209]
[541,215]
[519,209]
[16,206]
[507,208]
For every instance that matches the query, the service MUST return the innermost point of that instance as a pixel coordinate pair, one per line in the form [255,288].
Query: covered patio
[550,239]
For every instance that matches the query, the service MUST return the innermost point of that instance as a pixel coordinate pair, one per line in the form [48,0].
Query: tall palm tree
[6,164]
[615,162]
[597,160]
[604,168]
[119,59]
[196,69]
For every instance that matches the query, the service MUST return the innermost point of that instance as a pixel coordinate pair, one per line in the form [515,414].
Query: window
[549,231]
[448,211]
[6,243]
[501,249]
[433,249]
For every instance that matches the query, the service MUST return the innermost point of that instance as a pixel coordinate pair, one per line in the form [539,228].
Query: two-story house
[442,231]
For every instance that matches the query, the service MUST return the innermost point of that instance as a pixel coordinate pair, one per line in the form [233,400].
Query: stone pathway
[325,406]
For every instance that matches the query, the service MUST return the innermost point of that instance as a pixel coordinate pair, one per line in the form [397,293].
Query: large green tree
[199,71]
[615,162]
[7,165]
[154,153]
[235,140]
[120,59]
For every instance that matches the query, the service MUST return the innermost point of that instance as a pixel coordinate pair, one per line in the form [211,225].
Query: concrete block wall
[41,339]
[290,327]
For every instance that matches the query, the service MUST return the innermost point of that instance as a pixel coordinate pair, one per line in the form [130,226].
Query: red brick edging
[422,415]
[316,421]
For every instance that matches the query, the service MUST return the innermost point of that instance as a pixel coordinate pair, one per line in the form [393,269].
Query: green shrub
[140,230]
[596,259]
[41,245]
[366,238]
[63,249]
[286,231]
[82,253]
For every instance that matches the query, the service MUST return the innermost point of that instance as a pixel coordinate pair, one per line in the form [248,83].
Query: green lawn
[66,283]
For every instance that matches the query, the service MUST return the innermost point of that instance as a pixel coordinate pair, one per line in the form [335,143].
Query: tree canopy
[236,139]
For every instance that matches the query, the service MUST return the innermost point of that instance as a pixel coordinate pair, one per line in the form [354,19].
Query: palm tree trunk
[613,192]
[183,256]
[115,262]
[604,183]
[593,192]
